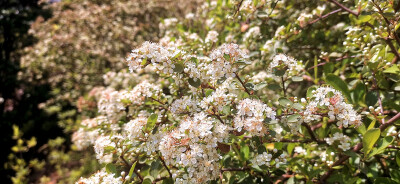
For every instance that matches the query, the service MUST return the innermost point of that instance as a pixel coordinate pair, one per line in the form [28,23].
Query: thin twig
[324,16]
[243,84]
[344,7]
[165,165]
[310,131]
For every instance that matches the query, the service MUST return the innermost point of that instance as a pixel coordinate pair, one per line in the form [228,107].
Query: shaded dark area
[20,98]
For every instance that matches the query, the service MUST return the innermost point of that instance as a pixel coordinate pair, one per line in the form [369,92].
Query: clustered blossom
[113,103]
[134,127]
[212,37]
[185,104]
[332,100]
[224,61]
[266,159]
[291,66]
[193,146]
[253,32]
[251,115]
[102,143]
[101,177]
[88,133]
[344,140]
[119,79]
[219,98]
[152,53]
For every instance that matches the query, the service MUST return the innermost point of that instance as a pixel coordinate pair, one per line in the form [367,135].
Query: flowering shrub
[248,91]
[227,99]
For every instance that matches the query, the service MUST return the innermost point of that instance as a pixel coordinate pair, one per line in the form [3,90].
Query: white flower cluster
[224,61]
[250,116]
[343,139]
[101,177]
[152,53]
[252,33]
[193,146]
[167,23]
[291,66]
[219,98]
[134,128]
[304,18]
[87,135]
[119,79]
[113,103]
[212,37]
[102,143]
[185,104]
[266,159]
[331,99]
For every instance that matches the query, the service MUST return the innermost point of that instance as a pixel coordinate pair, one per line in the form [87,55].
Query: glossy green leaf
[195,83]
[293,118]
[132,170]
[151,122]
[337,83]
[382,145]
[369,139]
[110,168]
[285,102]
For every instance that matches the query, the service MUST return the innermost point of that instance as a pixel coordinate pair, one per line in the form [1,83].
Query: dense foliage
[240,91]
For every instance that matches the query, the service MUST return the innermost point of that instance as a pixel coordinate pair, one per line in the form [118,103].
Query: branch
[324,16]
[165,165]
[389,122]
[243,84]
[310,131]
[344,7]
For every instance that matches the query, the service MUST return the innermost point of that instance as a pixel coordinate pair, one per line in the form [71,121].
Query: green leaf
[369,139]
[144,62]
[361,129]
[285,102]
[298,106]
[371,98]
[363,18]
[110,168]
[274,86]
[293,118]
[194,83]
[148,180]
[398,158]
[393,70]
[132,170]
[278,145]
[260,86]
[179,68]
[384,180]
[372,124]
[151,122]
[244,152]
[382,145]
[290,147]
[337,83]
[155,168]
[278,72]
